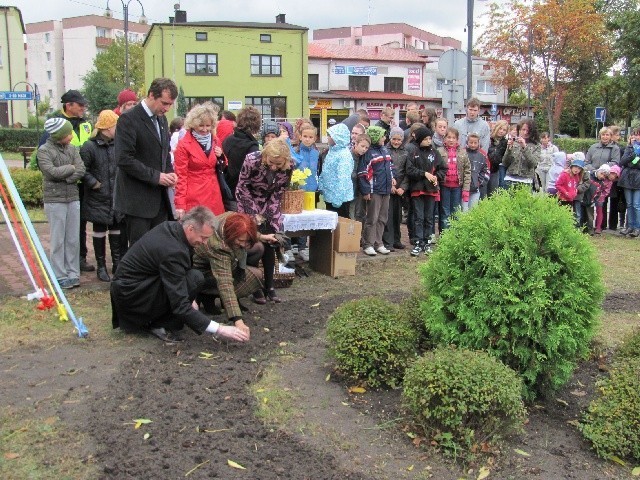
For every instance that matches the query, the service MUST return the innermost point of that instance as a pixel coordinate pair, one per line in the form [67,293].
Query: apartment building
[61,52]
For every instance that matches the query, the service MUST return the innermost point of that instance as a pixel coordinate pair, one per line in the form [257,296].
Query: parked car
[561,135]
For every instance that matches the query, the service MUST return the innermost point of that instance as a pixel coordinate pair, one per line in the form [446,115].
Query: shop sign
[353,70]
[324,104]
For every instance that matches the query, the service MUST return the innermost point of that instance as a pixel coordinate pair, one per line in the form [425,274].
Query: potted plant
[293,197]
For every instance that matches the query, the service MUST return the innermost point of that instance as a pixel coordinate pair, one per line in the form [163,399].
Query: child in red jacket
[567,185]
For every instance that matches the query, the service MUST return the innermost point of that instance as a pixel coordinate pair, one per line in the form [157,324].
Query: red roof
[359,52]
[380,96]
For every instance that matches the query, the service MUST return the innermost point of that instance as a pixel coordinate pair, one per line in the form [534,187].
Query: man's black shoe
[165,336]
[85,267]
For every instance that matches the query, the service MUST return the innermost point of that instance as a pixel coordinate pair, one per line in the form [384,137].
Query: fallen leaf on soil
[578,393]
[252,360]
[521,452]
[575,423]
[345,404]
[50,420]
[233,464]
[11,455]
[635,472]
[71,371]
[266,329]
[195,468]
[559,400]
[182,364]
[205,355]
[146,436]
[216,431]
[417,441]
[356,390]
[483,473]
[328,377]
[283,344]
[410,468]
[618,460]
[315,305]
[140,422]
[260,390]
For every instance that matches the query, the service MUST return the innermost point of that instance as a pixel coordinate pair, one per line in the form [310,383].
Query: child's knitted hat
[421,133]
[375,134]
[58,128]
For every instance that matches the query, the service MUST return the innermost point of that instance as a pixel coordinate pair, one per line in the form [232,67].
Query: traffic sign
[16,96]
[494,109]
[601,114]
[453,64]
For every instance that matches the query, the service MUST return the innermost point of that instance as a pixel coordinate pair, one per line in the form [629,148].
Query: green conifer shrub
[515,278]
[462,399]
[370,341]
[612,421]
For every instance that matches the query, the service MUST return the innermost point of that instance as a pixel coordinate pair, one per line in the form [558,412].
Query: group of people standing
[224,187]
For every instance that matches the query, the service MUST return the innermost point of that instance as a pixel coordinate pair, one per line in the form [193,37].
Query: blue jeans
[633,207]
[451,200]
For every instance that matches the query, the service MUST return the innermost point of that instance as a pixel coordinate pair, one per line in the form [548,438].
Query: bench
[26,154]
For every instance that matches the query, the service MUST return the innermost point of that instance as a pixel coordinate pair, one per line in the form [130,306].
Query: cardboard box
[346,237]
[324,259]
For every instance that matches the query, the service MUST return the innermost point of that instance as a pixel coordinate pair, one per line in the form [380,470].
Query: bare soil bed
[198,397]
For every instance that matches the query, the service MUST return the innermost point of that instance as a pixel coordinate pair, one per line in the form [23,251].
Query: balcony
[103,42]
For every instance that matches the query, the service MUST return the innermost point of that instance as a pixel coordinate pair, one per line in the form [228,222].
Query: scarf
[203,140]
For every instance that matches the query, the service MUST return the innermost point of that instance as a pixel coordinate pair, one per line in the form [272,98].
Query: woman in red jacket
[196,159]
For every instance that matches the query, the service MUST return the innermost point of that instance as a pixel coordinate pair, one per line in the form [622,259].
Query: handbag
[225,190]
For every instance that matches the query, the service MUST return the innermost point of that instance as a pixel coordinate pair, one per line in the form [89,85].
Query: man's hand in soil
[232,333]
[240,325]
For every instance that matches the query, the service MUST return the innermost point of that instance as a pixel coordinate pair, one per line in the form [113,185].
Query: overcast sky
[448,18]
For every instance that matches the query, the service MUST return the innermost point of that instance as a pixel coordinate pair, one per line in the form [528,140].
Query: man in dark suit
[154,286]
[144,163]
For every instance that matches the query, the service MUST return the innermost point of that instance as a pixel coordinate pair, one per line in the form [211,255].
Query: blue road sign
[494,109]
[16,96]
[601,114]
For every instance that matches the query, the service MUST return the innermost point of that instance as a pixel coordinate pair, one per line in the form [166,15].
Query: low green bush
[514,277]
[630,347]
[612,421]
[410,312]
[12,138]
[571,145]
[370,341]
[29,185]
[462,399]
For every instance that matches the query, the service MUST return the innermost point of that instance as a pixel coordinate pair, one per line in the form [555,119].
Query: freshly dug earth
[198,397]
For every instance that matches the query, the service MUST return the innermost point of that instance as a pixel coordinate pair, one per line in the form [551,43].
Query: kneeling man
[154,286]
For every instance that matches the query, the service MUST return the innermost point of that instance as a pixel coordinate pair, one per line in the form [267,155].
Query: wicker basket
[292,201]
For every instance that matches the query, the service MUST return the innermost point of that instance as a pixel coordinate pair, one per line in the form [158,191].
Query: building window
[358,83]
[439,84]
[266,65]
[192,101]
[265,38]
[48,56]
[358,41]
[201,36]
[269,107]
[48,74]
[50,92]
[314,81]
[133,37]
[485,86]
[201,64]
[393,84]
[341,41]
[101,32]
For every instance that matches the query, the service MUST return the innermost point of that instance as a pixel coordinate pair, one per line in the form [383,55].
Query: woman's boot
[99,247]
[115,245]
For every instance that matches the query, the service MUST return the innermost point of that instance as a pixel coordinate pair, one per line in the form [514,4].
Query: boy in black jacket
[426,171]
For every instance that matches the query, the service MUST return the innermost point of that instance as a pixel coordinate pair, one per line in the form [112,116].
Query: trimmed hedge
[463,399]
[515,277]
[571,145]
[612,422]
[12,138]
[29,185]
[371,341]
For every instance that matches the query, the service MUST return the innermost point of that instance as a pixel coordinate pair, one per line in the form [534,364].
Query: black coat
[496,152]
[630,175]
[141,156]
[150,283]
[98,155]
[423,160]
[236,147]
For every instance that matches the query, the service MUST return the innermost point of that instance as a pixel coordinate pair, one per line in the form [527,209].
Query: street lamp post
[143,20]
[36,94]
